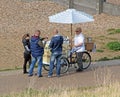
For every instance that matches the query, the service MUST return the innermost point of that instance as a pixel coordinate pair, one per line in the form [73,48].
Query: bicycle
[64,65]
[86,60]
[67,62]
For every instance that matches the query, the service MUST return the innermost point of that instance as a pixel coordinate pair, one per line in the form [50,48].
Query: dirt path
[15,81]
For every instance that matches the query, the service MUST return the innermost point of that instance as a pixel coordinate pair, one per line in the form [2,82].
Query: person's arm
[81,43]
[43,38]
[51,44]
[27,48]
[25,44]
[62,39]
[40,43]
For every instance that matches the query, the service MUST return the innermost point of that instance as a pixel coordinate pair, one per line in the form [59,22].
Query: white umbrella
[71,16]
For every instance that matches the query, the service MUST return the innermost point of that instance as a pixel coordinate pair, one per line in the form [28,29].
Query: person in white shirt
[79,47]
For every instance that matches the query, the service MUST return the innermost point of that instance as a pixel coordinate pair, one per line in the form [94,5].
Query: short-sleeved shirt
[79,39]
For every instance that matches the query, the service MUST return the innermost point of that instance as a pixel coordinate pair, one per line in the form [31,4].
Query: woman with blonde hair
[27,53]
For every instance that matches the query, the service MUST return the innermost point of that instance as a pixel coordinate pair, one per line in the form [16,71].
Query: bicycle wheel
[46,67]
[86,60]
[64,64]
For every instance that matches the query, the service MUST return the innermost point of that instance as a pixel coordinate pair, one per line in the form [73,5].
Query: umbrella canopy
[71,16]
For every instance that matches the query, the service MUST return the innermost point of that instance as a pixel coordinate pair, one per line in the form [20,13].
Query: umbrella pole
[71,38]
[71,44]
[71,31]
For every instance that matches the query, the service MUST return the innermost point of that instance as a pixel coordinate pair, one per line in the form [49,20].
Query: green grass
[14,68]
[10,69]
[115,45]
[106,58]
[99,50]
[113,31]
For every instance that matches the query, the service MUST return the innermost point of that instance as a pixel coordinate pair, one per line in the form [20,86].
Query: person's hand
[46,38]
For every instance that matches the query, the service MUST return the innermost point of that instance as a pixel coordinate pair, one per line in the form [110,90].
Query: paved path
[15,81]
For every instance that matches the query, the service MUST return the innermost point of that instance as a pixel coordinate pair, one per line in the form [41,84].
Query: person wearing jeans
[56,51]
[40,61]
[55,56]
[37,51]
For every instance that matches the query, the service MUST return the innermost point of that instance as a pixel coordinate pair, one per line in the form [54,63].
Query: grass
[99,50]
[113,31]
[10,69]
[106,58]
[111,90]
[114,45]
[14,68]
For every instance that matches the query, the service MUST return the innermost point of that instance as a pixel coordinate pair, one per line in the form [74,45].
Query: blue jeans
[55,56]
[40,62]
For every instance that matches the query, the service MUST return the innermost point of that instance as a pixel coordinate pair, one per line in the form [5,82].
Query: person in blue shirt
[56,51]
[37,51]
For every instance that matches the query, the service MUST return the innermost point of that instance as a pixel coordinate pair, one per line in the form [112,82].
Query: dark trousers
[27,58]
[79,60]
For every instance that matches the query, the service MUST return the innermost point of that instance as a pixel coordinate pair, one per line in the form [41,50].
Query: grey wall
[111,9]
[89,6]
[62,2]
[92,6]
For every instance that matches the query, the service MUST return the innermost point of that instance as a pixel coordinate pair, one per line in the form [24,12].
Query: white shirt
[79,39]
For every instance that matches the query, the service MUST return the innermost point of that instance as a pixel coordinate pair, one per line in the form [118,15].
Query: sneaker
[25,72]
[35,74]
[49,76]
[40,76]
[79,70]
[58,75]
[30,75]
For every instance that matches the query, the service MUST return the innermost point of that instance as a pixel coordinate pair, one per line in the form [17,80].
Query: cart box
[89,46]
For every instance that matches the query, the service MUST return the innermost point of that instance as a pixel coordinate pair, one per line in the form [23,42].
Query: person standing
[79,47]
[27,54]
[37,51]
[56,51]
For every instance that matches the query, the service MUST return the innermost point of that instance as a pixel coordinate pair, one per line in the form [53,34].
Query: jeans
[55,56]
[40,62]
